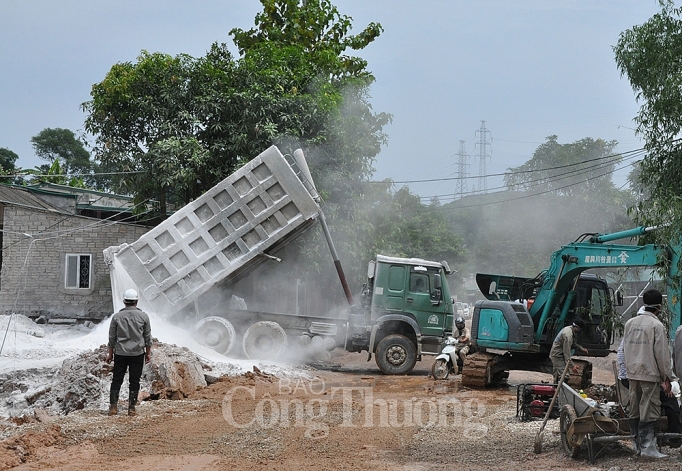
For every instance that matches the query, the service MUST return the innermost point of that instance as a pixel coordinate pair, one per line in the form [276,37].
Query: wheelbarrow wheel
[571,443]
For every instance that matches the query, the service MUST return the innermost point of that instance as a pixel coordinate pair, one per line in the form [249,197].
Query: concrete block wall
[32,276]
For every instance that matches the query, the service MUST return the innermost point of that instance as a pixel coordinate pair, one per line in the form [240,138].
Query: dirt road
[345,415]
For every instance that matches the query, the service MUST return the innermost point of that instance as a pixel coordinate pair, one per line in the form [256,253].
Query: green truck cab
[406,312]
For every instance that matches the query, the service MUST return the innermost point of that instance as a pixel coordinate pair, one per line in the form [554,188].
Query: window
[396,278]
[419,282]
[78,269]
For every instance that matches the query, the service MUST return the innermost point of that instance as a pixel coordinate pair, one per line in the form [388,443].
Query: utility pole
[462,164]
[484,141]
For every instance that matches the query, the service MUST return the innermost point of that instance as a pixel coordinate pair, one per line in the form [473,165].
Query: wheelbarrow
[581,421]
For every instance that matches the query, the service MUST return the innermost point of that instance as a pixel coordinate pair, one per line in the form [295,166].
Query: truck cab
[407,311]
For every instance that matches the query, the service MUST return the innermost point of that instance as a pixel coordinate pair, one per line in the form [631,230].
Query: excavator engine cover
[502,325]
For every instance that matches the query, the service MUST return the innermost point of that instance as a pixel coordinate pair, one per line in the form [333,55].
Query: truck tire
[264,340]
[214,332]
[396,355]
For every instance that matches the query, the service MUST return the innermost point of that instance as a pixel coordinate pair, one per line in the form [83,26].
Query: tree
[581,168]
[7,166]
[649,56]
[53,144]
[7,159]
[563,191]
[315,26]
[183,123]
[54,174]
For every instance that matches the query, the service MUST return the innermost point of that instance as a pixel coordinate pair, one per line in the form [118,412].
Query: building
[51,260]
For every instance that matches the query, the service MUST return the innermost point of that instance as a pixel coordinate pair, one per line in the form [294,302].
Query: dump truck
[185,268]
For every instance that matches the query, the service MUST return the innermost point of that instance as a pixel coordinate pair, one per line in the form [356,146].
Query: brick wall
[32,276]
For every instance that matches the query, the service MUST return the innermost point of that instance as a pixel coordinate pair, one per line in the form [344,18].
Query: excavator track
[486,369]
[482,369]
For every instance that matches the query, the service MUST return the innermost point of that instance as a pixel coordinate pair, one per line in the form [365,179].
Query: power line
[610,156]
[487,203]
[549,190]
[68,175]
[552,179]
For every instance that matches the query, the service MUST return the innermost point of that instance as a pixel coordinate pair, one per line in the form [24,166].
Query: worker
[563,344]
[669,405]
[647,360]
[463,336]
[130,346]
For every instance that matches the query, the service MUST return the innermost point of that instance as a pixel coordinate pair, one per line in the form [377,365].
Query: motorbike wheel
[440,369]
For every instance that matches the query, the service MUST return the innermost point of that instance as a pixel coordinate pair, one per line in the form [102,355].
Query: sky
[527,68]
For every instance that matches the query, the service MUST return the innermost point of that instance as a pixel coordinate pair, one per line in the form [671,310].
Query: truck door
[430,317]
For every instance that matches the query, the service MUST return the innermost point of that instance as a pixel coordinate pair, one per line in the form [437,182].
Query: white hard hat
[130,295]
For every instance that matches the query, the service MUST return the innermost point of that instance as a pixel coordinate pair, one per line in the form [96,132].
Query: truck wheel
[214,332]
[396,355]
[264,340]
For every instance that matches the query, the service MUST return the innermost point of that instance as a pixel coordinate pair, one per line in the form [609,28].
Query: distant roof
[20,197]
[75,190]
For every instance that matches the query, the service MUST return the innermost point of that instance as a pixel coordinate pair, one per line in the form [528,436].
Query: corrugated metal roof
[20,197]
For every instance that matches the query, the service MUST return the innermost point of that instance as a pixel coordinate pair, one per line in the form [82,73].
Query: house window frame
[78,274]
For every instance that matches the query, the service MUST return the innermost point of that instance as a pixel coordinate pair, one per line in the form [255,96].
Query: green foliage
[7,159]
[650,56]
[581,168]
[54,144]
[318,28]
[7,167]
[54,173]
[178,125]
[184,123]
[67,155]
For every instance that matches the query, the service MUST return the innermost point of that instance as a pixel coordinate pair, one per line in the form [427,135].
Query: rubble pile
[173,373]
[20,324]
[55,369]
[83,381]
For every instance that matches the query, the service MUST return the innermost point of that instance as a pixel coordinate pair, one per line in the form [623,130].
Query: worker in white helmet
[130,346]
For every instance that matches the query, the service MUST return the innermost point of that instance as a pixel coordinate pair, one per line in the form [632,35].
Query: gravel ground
[339,417]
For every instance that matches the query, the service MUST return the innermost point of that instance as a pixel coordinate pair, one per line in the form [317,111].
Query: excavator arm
[571,260]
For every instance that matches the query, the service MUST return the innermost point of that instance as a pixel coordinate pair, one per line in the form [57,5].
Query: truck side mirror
[370,270]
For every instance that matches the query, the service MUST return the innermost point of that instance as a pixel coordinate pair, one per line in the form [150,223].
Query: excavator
[514,327]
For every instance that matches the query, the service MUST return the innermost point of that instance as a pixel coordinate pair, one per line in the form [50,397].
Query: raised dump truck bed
[218,238]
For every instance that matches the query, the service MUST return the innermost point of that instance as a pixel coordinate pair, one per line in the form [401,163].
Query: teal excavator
[513,329]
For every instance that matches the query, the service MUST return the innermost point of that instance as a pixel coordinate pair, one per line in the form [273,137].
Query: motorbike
[448,361]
